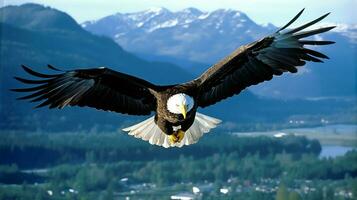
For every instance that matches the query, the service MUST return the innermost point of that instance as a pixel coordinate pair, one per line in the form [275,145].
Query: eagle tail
[148,130]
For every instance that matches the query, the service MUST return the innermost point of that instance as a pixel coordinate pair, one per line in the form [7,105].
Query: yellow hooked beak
[183,109]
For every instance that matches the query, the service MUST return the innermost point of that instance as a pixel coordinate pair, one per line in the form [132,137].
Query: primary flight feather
[176,122]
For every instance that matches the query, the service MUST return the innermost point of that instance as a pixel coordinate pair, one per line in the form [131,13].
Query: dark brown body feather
[165,119]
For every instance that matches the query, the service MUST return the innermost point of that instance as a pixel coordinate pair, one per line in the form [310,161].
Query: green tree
[294,196]
[317,195]
[353,185]
[329,193]
[282,193]
[109,193]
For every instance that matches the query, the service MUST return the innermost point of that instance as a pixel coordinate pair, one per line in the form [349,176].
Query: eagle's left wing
[100,88]
[257,62]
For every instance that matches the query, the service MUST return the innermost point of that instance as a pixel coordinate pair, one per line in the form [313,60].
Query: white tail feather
[149,131]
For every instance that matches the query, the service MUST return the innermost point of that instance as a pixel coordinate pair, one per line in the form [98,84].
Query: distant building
[280,135]
[50,192]
[183,196]
[207,188]
[195,190]
[224,190]
[71,190]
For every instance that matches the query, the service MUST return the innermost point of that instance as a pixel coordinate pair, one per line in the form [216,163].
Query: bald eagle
[176,121]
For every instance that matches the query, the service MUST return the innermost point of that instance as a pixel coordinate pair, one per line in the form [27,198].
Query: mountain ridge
[206,37]
[42,18]
[127,29]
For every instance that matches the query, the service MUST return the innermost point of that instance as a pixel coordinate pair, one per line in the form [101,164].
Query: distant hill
[60,41]
[37,17]
[190,37]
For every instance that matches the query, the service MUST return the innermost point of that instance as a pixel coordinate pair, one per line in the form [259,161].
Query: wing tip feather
[291,21]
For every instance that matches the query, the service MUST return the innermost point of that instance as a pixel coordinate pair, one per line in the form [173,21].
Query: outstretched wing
[257,62]
[100,88]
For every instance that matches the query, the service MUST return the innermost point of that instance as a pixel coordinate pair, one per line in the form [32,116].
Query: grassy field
[344,135]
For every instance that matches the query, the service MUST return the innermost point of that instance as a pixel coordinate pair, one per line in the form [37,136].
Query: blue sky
[262,11]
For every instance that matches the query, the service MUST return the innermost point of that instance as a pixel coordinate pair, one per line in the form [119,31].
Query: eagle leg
[177,136]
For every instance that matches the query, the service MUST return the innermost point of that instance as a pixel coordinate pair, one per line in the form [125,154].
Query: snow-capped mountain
[191,37]
[183,34]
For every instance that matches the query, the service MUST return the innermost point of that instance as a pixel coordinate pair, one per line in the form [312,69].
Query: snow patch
[118,35]
[132,17]
[187,21]
[204,16]
[139,24]
[152,12]
[190,10]
[237,14]
[166,24]
[85,24]
[156,10]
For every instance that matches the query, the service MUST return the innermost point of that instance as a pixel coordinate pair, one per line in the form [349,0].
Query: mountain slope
[190,37]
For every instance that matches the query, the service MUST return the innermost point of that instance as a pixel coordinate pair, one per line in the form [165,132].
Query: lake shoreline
[329,135]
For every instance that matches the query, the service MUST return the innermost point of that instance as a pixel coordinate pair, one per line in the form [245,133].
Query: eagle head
[180,104]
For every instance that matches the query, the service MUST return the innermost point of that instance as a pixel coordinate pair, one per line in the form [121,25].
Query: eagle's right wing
[257,62]
[100,88]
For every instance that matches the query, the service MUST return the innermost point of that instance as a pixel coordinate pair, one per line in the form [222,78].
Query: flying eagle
[176,121]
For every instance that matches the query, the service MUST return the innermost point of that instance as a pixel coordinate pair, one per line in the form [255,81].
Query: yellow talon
[176,137]
[173,139]
[180,135]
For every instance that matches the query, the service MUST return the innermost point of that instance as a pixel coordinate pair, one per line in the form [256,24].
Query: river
[333,151]
[335,140]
